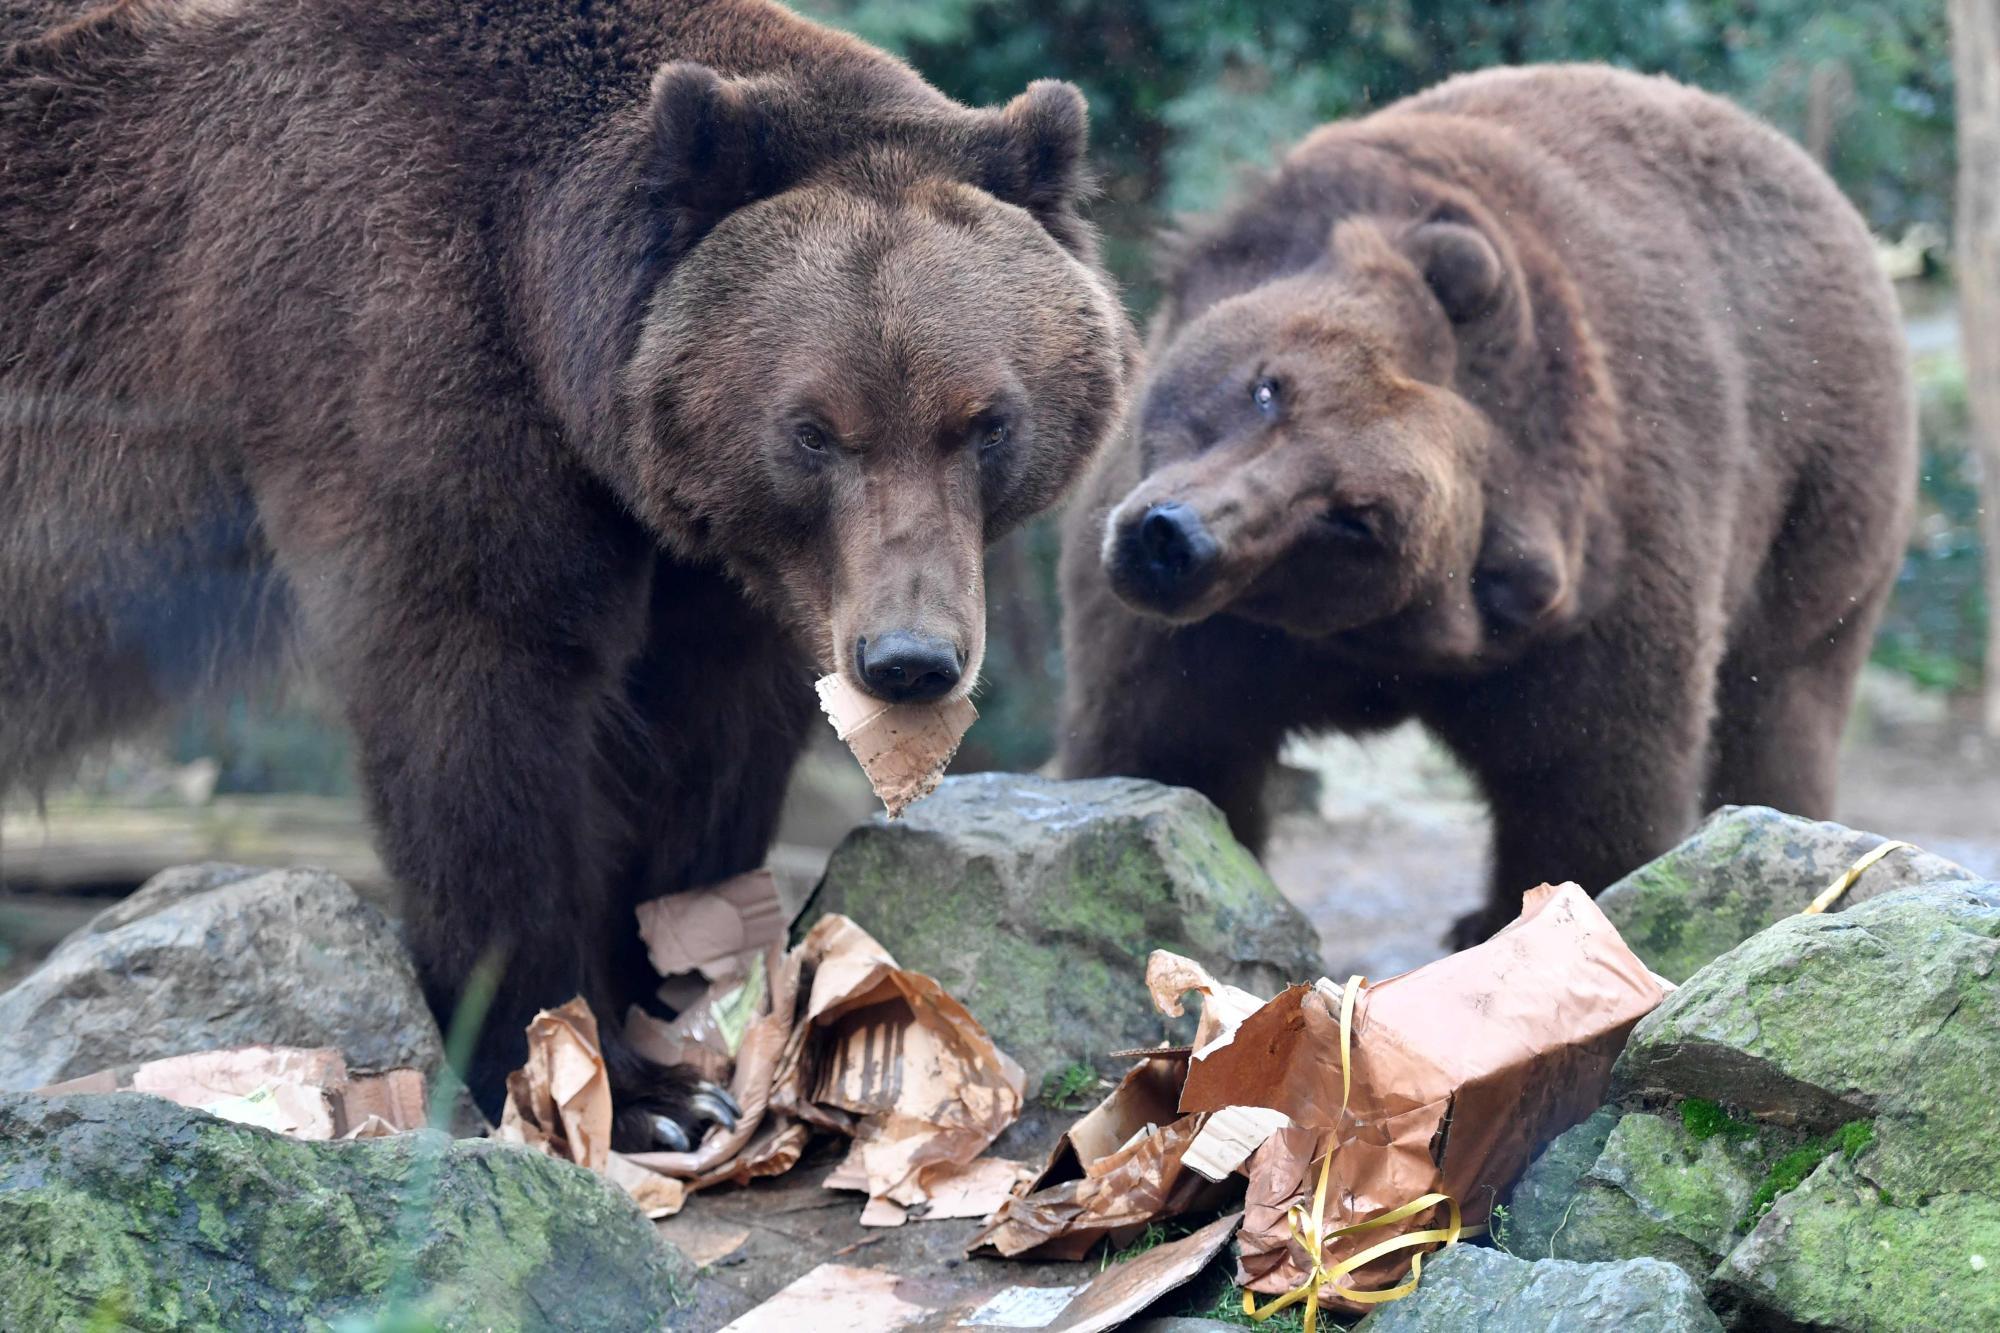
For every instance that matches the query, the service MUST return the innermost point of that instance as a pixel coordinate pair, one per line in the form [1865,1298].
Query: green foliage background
[1185,94]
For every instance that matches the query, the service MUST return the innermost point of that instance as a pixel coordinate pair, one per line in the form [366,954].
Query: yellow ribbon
[1831,894]
[1308,1229]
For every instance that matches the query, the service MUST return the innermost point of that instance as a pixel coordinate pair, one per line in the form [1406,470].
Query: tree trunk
[1975,40]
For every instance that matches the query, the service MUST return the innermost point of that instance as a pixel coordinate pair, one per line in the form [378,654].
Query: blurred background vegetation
[1186,95]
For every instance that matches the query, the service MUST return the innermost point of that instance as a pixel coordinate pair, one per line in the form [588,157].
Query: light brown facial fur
[1306,429]
[857,386]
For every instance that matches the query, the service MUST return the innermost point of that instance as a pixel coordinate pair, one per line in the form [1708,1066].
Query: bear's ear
[1031,153]
[713,147]
[1461,266]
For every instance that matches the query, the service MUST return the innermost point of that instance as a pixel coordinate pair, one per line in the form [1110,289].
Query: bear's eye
[994,434]
[810,438]
[1264,393]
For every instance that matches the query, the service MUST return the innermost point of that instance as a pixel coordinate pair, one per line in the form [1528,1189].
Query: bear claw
[668,1134]
[707,1104]
[712,1102]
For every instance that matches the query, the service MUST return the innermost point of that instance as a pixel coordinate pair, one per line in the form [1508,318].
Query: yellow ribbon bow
[1309,1229]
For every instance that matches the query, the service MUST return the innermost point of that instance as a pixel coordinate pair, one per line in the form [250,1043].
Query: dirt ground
[1395,850]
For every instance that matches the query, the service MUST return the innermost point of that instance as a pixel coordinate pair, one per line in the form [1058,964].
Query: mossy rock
[213,956]
[1656,1190]
[1820,1124]
[1036,903]
[1540,1203]
[1841,1252]
[124,1211]
[1887,1012]
[1468,1287]
[1745,868]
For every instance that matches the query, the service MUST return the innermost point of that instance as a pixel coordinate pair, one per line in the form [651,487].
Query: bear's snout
[903,666]
[1163,557]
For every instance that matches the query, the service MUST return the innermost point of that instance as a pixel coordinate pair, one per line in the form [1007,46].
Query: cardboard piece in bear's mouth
[903,748]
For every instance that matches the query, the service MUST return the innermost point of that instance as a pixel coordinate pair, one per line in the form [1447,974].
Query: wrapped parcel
[1450,1078]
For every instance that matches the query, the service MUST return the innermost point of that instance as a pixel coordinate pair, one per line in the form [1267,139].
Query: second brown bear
[1562,409]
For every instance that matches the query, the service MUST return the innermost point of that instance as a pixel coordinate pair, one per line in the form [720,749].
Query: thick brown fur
[576,379]
[1592,449]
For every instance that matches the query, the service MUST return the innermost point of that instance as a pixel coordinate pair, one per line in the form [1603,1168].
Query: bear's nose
[905,667]
[1167,557]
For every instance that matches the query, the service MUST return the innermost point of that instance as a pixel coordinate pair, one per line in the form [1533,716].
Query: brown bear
[578,378]
[1560,408]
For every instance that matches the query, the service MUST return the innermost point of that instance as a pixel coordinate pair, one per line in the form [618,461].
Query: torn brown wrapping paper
[560,1103]
[833,1036]
[1116,1169]
[903,748]
[302,1092]
[714,931]
[1462,1069]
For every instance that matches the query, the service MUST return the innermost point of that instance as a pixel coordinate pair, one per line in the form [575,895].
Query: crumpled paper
[903,748]
[1460,1071]
[560,1103]
[302,1092]
[829,1036]
[838,1298]
[1116,1169]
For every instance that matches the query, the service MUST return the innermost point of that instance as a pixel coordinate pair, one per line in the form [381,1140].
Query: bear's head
[1306,460]
[871,335]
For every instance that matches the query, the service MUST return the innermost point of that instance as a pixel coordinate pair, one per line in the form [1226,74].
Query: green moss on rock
[1036,903]
[1746,868]
[1839,1253]
[1704,1119]
[172,1219]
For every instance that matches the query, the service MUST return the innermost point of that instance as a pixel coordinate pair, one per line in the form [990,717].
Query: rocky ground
[1802,1136]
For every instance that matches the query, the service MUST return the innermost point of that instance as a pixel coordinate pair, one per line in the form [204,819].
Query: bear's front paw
[661,1108]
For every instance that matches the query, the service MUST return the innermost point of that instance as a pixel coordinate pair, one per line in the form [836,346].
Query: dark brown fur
[474,342]
[1596,455]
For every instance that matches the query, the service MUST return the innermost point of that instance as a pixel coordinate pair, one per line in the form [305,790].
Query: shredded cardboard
[306,1093]
[1170,976]
[715,931]
[836,1298]
[1116,1169]
[829,1036]
[1124,1289]
[926,1085]
[903,748]
[1229,1136]
[559,1103]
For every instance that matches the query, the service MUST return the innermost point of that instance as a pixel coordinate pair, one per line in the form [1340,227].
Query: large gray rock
[207,957]
[1468,1287]
[1747,867]
[1538,1209]
[1842,1252]
[1036,902]
[1890,1010]
[126,1211]
[1658,1190]
[1853,1182]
